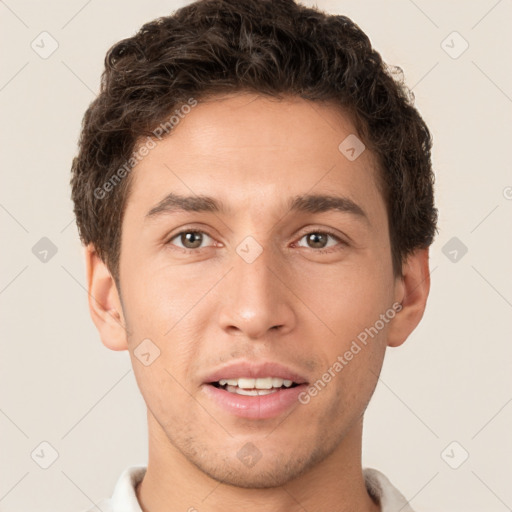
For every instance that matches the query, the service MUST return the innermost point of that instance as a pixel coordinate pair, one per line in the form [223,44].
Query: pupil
[314,237]
[191,237]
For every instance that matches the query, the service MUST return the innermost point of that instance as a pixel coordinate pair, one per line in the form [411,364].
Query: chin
[252,478]
[276,471]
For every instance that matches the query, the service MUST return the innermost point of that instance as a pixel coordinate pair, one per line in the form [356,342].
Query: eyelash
[321,232]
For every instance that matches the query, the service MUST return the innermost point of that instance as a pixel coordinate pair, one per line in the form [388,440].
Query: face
[280,287]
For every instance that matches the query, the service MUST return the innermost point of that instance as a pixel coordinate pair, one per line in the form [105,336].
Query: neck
[173,484]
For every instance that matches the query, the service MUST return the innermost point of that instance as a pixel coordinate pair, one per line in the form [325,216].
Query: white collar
[124,498]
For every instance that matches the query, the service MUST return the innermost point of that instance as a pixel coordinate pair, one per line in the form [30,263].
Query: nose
[256,298]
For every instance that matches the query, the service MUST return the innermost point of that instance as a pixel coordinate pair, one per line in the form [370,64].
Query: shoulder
[380,487]
[124,498]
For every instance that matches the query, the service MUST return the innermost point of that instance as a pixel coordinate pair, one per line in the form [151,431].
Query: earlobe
[411,291]
[104,303]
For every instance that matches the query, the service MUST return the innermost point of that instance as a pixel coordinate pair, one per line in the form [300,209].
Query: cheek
[350,375]
[350,298]
[156,299]
[351,303]
[164,392]
[163,306]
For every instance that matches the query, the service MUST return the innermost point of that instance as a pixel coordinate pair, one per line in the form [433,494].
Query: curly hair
[271,47]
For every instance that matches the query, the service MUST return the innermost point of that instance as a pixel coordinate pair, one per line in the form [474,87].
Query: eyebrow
[310,203]
[173,203]
[319,203]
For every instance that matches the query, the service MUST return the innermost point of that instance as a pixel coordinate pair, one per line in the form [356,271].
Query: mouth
[252,390]
[254,387]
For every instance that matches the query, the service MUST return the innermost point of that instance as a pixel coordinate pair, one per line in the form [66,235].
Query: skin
[210,307]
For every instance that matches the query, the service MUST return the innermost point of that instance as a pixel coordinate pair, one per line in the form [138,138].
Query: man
[255,194]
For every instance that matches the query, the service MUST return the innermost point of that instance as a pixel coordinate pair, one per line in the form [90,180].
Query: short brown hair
[273,48]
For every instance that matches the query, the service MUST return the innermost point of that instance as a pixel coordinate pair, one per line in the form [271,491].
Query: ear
[104,303]
[411,290]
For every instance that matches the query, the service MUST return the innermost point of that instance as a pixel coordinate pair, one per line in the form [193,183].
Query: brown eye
[317,240]
[189,240]
[320,240]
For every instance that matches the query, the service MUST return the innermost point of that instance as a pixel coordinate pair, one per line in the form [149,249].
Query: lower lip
[258,407]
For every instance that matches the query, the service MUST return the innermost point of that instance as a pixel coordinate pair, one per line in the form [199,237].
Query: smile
[254,387]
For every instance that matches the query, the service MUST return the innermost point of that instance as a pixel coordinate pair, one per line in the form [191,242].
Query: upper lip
[254,370]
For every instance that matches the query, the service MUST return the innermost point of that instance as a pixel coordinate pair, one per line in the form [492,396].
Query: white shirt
[124,498]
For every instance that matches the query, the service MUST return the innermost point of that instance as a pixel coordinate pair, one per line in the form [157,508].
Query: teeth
[261,383]
[247,383]
[250,392]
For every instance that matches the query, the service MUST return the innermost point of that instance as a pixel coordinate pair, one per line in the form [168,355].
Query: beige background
[449,382]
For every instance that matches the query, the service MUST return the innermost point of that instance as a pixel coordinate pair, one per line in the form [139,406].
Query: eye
[319,240]
[190,239]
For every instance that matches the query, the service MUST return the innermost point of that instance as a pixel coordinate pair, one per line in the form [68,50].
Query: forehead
[246,150]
